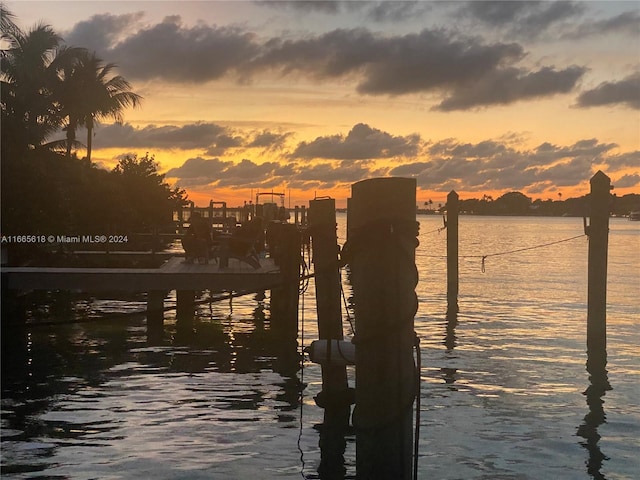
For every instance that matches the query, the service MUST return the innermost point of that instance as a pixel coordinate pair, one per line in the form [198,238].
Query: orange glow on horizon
[297,197]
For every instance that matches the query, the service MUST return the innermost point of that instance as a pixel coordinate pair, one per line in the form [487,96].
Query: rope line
[517,250]
[346,309]
[416,434]
[523,249]
[301,393]
[434,230]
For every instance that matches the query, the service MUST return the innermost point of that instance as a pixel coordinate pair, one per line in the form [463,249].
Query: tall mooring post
[452,253]
[322,224]
[381,254]
[599,203]
[335,397]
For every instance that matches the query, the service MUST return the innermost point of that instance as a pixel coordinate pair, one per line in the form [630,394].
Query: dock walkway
[172,275]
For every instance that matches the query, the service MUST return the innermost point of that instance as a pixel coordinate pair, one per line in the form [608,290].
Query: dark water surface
[505,392]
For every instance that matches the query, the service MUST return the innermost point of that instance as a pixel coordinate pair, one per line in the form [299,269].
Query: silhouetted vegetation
[48,91]
[516,203]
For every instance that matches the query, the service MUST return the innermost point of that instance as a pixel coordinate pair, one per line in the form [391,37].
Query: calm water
[503,389]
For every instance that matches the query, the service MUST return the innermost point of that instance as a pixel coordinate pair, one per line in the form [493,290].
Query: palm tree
[28,75]
[91,93]
[7,25]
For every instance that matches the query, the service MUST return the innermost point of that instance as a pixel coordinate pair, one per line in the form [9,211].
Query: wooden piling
[155,315]
[381,255]
[185,311]
[452,253]
[334,397]
[284,244]
[13,308]
[599,202]
[303,215]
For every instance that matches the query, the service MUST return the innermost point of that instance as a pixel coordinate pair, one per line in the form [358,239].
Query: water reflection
[450,338]
[332,444]
[595,392]
[449,375]
[89,384]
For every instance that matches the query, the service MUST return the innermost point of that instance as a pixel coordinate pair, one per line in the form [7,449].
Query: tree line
[48,91]
[517,203]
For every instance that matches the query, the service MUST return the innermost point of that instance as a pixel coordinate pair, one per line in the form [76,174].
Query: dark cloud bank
[466,72]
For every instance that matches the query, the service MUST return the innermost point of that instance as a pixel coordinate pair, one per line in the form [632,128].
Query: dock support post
[381,255]
[13,306]
[598,231]
[322,222]
[284,298]
[334,395]
[185,311]
[155,315]
[303,215]
[452,253]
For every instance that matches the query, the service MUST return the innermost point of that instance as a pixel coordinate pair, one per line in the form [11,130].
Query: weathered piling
[334,396]
[381,254]
[452,253]
[155,315]
[185,311]
[13,308]
[284,246]
[599,202]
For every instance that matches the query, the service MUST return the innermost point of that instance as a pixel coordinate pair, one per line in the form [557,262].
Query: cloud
[361,143]
[100,32]
[364,152]
[432,59]
[624,160]
[305,6]
[624,92]
[212,139]
[468,72]
[373,11]
[223,143]
[190,136]
[268,140]
[629,180]
[174,52]
[328,175]
[396,12]
[627,23]
[247,172]
[488,165]
[494,165]
[502,87]
[452,148]
[518,19]
[198,171]
[495,13]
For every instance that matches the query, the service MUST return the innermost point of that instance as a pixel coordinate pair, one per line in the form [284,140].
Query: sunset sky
[310,97]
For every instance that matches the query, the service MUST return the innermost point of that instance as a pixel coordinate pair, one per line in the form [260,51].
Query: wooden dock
[172,275]
[279,273]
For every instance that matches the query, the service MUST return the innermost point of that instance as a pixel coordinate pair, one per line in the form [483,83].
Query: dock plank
[172,275]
